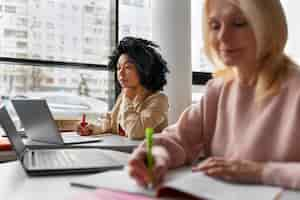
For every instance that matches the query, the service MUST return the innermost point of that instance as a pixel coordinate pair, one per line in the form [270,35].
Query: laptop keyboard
[70,159]
[54,159]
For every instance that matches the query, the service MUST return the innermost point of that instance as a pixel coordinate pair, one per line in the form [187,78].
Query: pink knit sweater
[228,123]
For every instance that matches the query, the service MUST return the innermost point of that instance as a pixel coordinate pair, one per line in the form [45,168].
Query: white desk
[114,142]
[15,184]
[290,195]
[108,141]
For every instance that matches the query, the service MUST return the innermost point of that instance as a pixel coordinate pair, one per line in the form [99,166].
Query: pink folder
[104,194]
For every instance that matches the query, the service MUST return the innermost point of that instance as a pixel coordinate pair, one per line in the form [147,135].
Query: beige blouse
[133,116]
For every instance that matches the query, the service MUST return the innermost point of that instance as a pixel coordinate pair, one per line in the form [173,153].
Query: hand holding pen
[148,169]
[83,128]
[83,122]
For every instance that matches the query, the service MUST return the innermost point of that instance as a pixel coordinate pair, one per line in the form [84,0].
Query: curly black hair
[151,67]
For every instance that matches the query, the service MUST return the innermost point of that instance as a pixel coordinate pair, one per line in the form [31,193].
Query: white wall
[171,25]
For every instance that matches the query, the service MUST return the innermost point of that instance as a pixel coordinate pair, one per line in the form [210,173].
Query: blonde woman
[247,124]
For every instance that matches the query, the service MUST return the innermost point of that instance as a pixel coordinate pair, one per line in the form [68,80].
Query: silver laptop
[40,126]
[56,161]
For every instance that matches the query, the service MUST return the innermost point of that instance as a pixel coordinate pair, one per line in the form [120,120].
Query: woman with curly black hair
[141,73]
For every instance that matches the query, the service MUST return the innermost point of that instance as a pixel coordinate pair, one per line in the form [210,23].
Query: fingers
[216,167]
[138,158]
[137,168]
[139,178]
[159,170]
[231,170]
[220,173]
[85,131]
[210,163]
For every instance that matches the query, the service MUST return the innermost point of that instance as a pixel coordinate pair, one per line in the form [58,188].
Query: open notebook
[182,184]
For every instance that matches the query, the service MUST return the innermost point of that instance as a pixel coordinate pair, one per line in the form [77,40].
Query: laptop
[56,161]
[40,126]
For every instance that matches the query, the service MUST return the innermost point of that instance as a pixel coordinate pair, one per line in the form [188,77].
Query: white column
[171,25]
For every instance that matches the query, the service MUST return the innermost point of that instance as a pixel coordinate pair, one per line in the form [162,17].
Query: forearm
[173,153]
[103,125]
[134,124]
[133,127]
[98,129]
[281,174]
[183,147]
[184,140]
[176,153]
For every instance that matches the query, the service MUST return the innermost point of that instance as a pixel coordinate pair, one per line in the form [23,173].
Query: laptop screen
[11,131]
[37,120]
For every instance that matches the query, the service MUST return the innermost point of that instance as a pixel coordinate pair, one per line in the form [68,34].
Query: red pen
[83,123]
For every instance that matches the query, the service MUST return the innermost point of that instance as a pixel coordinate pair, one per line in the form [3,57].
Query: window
[292,13]
[200,65]
[135,18]
[56,28]
[58,50]
[199,61]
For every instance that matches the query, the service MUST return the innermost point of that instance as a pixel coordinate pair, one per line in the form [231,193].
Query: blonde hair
[270,28]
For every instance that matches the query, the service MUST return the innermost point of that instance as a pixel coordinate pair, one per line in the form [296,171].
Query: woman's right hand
[138,169]
[85,131]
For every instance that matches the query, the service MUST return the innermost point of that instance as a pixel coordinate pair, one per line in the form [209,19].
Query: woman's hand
[85,131]
[139,171]
[242,171]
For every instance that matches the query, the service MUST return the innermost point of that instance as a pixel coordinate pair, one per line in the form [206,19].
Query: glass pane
[199,61]
[69,92]
[69,31]
[135,18]
[292,13]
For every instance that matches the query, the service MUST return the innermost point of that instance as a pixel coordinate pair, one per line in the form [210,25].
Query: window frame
[69,65]
[200,78]
[62,64]
[50,63]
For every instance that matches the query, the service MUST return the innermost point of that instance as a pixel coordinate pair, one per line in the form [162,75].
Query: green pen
[149,140]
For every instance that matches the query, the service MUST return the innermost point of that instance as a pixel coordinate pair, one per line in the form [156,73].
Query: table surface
[15,184]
